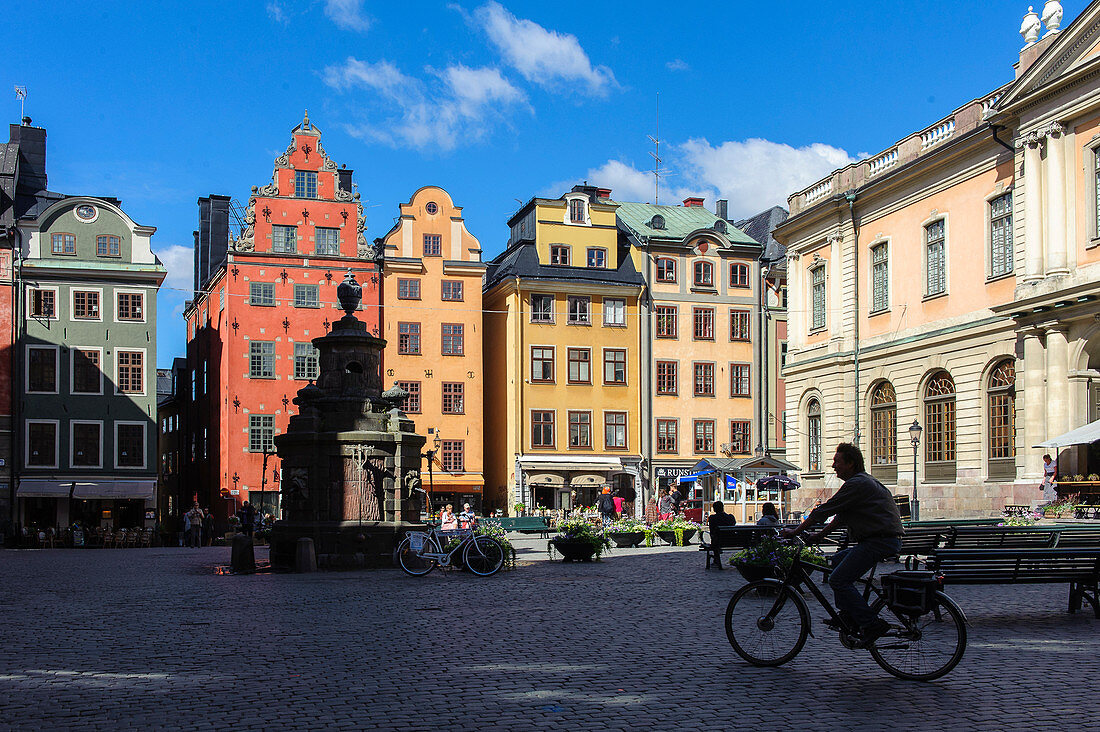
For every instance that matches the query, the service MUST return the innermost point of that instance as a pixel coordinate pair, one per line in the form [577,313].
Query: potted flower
[519,508]
[578,541]
[627,532]
[488,527]
[769,558]
[676,530]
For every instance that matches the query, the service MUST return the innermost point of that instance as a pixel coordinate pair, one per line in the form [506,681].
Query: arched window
[884,433]
[704,274]
[1001,397]
[939,421]
[739,275]
[666,269]
[813,436]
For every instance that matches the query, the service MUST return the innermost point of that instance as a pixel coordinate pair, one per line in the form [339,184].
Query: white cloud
[542,56]
[678,65]
[180,263]
[382,76]
[277,12]
[475,89]
[347,14]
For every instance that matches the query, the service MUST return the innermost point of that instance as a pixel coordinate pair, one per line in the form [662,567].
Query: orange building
[432,326]
[261,298]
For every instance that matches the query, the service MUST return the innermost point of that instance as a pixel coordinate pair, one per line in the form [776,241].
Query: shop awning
[589,479]
[693,476]
[141,490]
[545,479]
[39,488]
[1086,435]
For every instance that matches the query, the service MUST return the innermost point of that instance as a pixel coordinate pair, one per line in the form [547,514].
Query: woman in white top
[1047,486]
[448,520]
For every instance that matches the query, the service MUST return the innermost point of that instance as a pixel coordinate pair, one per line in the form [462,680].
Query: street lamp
[430,455]
[914,437]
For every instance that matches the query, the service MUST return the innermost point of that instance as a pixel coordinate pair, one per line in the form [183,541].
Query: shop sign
[234,492]
[671,472]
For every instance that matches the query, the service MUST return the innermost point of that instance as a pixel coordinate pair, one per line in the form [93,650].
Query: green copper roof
[680,222]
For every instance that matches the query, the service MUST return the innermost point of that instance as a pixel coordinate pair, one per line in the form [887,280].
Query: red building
[262,296]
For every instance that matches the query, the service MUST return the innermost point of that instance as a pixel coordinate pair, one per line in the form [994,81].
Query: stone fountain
[350,458]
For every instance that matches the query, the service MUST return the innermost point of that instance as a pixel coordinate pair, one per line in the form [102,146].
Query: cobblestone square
[111,639]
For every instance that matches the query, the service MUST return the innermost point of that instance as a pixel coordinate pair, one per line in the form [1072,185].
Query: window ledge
[937,296]
[1093,242]
[587,325]
[822,329]
[704,289]
[1005,276]
[873,313]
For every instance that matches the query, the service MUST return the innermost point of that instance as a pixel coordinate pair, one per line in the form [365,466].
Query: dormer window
[739,275]
[576,211]
[666,270]
[704,274]
[597,258]
[720,226]
[559,254]
[657,222]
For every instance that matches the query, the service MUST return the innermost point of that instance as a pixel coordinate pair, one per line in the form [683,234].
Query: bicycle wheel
[411,561]
[483,556]
[767,623]
[925,647]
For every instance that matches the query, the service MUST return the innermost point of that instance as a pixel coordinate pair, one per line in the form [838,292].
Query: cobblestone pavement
[110,639]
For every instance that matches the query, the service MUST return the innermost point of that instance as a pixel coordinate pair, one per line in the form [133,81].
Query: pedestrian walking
[676,496]
[664,505]
[1050,470]
[606,506]
[247,515]
[618,504]
[207,528]
[194,531]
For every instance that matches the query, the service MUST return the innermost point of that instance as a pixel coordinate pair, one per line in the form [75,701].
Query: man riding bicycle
[868,509]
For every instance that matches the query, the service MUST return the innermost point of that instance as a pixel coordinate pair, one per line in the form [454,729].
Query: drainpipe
[16,372]
[994,128]
[765,314]
[647,488]
[851,199]
[519,497]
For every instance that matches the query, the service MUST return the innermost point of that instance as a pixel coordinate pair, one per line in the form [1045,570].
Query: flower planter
[627,539]
[670,536]
[574,551]
[754,573]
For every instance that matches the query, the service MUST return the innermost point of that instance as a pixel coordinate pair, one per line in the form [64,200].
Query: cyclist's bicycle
[421,551]
[767,621]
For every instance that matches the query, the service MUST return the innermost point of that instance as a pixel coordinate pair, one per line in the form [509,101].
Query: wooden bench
[999,537]
[1072,536]
[1017,511]
[524,524]
[730,537]
[1080,568]
[918,542]
[1087,507]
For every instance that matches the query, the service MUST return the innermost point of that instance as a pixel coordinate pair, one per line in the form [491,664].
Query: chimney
[721,209]
[603,193]
[693,203]
[32,156]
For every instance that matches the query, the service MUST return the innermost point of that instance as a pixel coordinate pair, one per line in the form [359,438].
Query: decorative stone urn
[350,458]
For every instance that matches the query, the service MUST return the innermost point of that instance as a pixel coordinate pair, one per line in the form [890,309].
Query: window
[666,321]
[261,359]
[704,274]
[284,239]
[597,258]
[939,423]
[453,393]
[431,207]
[559,254]
[107,246]
[542,308]
[739,380]
[666,270]
[740,436]
[667,436]
[542,428]
[433,245]
[87,374]
[817,278]
[327,241]
[580,371]
[261,433]
[261,293]
[739,325]
[63,243]
[221,299]
[614,311]
[85,305]
[576,211]
[1001,395]
[454,456]
[884,433]
[453,339]
[880,291]
[43,303]
[129,445]
[306,365]
[307,296]
[408,338]
[935,264]
[408,289]
[129,306]
[739,275]
[87,442]
[131,369]
[614,430]
[42,370]
[305,184]
[703,321]
[703,376]
[580,310]
[580,429]
[813,436]
[704,435]
[614,366]
[668,379]
[41,444]
[451,290]
[1000,235]
[542,363]
[412,401]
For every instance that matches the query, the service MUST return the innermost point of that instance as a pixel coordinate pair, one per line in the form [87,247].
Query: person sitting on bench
[718,518]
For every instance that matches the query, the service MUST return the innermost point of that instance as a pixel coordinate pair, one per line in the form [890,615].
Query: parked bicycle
[421,551]
[767,621]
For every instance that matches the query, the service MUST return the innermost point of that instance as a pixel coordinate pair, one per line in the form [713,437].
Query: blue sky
[158,105]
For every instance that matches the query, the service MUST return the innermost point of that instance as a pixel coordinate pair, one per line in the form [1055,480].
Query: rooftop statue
[1030,27]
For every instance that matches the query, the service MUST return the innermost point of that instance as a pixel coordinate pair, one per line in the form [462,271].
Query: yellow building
[563,366]
[431,321]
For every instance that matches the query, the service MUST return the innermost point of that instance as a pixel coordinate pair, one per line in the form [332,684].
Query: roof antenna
[656,155]
[21,95]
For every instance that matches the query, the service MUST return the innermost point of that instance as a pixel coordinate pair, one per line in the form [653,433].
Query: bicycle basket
[910,591]
[416,540]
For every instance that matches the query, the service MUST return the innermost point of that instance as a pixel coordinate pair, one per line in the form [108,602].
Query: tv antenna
[21,95]
[656,154]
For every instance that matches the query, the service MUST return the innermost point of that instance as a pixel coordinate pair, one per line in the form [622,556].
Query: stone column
[1054,186]
[1057,364]
[1035,402]
[1033,206]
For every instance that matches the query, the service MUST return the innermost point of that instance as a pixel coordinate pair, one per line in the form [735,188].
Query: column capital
[1052,328]
[1030,140]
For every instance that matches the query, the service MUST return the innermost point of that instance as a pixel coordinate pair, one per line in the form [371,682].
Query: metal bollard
[243,558]
[305,558]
